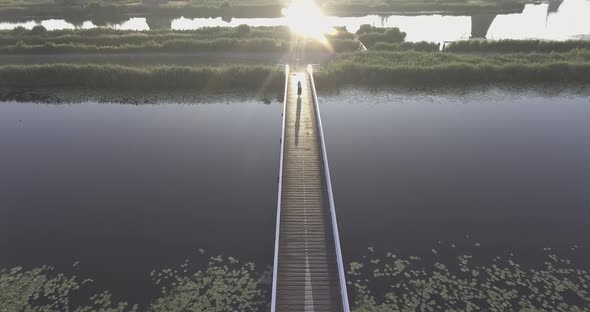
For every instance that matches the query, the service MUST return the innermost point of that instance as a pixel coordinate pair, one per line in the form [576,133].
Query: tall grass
[241,38]
[370,35]
[109,37]
[419,67]
[185,46]
[508,45]
[151,77]
[371,68]
[422,46]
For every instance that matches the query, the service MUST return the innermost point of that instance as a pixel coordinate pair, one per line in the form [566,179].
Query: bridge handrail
[278,222]
[340,263]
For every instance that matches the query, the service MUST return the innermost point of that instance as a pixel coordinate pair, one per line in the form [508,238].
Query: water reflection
[183,23]
[159,23]
[553,6]
[480,24]
[555,19]
[135,23]
[571,20]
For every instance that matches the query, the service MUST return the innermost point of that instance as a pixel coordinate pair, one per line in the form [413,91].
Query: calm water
[503,169]
[568,20]
[126,189]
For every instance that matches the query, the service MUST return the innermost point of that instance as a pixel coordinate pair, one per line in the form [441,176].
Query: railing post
[340,263]
[273,301]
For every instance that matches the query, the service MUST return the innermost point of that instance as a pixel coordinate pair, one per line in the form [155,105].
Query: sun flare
[304,17]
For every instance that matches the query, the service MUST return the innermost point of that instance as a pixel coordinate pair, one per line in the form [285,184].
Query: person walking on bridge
[299,88]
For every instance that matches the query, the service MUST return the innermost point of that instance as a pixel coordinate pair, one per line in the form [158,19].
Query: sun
[305,18]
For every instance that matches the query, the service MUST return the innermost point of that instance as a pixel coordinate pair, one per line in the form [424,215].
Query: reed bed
[370,35]
[186,46]
[391,68]
[422,46]
[119,77]
[370,68]
[241,38]
[512,46]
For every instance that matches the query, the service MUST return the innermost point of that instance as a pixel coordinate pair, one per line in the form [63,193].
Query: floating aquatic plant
[44,290]
[415,284]
[221,284]
[225,284]
[379,283]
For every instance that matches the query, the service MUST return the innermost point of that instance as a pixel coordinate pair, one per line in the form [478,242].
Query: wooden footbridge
[308,273]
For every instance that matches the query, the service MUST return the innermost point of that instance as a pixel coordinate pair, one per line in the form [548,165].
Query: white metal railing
[273,301]
[340,263]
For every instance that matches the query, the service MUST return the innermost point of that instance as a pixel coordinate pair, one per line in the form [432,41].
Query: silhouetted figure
[299,88]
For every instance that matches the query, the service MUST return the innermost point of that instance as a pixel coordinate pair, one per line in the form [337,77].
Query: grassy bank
[250,39]
[391,39]
[242,38]
[422,46]
[390,68]
[232,77]
[511,46]
[186,46]
[371,68]
[108,36]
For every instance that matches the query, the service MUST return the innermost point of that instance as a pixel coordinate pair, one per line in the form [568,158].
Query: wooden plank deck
[307,271]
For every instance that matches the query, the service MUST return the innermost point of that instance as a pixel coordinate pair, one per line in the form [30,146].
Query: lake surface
[556,21]
[128,189]
[125,189]
[503,168]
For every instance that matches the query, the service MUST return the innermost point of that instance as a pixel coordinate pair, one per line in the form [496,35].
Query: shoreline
[59,96]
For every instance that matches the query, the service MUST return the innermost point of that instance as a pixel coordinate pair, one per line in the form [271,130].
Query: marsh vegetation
[230,77]
[238,39]
[391,68]
[390,60]
[449,279]
[368,69]
[516,46]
